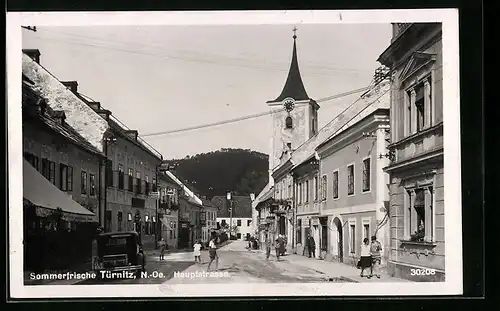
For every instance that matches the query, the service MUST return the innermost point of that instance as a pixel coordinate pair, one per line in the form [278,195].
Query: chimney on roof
[96,106]
[34,54]
[71,85]
[59,116]
[104,114]
[132,134]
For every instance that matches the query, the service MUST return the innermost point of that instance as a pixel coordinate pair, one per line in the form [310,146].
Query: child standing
[197,252]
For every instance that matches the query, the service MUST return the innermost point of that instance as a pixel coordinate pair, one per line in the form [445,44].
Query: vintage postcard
[265,153]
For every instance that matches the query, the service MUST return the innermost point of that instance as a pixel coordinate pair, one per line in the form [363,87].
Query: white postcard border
[452,164]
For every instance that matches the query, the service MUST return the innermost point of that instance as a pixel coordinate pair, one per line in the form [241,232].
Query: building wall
[243,230]
[211,223]
[189,220]
[418,165]
[169,232]
[354,153]
[125,153]
[43,144]
[306,210]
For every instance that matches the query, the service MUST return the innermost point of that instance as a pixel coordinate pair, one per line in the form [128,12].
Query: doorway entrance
[184,235]
[340,244]
[281,224]
[307,232]
[324,233]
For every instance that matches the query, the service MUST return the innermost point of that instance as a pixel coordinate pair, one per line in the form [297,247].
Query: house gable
[416,62]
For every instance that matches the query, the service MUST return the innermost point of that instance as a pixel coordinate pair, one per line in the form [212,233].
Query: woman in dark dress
[366,258]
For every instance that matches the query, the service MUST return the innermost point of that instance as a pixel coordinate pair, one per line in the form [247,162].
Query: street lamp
[108,139]
[230,213]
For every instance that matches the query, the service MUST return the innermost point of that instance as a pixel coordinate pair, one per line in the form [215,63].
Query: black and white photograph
[264,153]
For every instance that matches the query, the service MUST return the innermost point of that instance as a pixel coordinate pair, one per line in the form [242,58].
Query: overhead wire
[248,117]
[194,59]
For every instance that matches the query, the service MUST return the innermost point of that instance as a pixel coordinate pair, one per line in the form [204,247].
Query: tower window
[288,122]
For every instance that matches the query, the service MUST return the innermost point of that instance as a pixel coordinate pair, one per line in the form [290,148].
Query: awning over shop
[47,197]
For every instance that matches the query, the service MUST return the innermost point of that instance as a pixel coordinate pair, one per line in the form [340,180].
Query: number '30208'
[422,271]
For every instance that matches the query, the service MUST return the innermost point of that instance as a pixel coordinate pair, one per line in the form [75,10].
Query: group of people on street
[212,250]
[370,257]
[278,244]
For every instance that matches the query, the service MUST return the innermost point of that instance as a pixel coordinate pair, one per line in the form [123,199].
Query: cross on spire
[294,33]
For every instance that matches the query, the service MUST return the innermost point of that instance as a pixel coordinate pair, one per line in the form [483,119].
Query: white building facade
[242,226]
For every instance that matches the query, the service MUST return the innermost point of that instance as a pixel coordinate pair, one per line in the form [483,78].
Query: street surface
[236,265]
[239,265]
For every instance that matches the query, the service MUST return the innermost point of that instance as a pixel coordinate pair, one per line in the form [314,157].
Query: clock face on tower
[289,104]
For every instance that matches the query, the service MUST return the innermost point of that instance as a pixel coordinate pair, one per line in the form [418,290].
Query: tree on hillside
[238,170]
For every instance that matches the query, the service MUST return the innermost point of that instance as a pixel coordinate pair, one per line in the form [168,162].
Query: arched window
[288,122]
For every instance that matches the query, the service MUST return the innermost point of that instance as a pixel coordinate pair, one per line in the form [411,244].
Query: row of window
[149,224]
[133,184]
[284,189]
[303,187]
[323,243]
[418,113]
[48,170]
[238,222]
[352,236]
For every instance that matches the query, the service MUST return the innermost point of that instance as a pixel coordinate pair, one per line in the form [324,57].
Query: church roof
[294,87]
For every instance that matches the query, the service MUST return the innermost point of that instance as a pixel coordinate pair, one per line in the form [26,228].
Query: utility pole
[156,213]
[229,198]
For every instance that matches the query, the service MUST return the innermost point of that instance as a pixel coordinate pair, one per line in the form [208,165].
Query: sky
[164,78]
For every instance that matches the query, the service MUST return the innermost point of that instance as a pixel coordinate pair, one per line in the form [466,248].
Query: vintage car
[120,251]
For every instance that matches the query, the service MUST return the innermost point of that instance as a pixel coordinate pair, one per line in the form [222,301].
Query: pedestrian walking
[375,249]
[197,252]
[163,245]
[141,258]
[277,244]
[311,246]
[95,251]
[212,250]
[268,243]
[365,261]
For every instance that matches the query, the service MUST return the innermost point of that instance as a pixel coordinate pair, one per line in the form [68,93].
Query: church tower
[294,115]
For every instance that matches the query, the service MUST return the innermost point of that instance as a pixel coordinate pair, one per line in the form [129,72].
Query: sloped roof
[47,119]
[116,127]
[294,87]
[376,97]
[192,197]
[242,206]
[262,195]
[80,116]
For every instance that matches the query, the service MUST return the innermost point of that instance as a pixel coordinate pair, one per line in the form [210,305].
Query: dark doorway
[340,244]
[324,233]
[184,236]
[307,232]
[282,225]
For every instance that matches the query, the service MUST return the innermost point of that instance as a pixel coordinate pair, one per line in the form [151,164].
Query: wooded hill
[241,171]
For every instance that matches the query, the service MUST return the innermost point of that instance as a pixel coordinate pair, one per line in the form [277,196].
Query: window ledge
[418,248]
[418,243]
[414,136]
